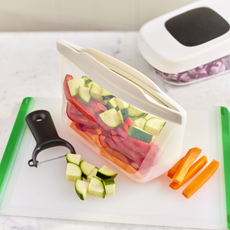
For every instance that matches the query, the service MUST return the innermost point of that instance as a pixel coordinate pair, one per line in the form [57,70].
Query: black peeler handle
[42,127]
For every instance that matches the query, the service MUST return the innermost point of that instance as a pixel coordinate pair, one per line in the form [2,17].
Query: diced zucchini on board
[109,187]
[81,188]
[86,168]
[97,187]
[88,179]
[73,172]
[93,173]
[73,158]
[106,173]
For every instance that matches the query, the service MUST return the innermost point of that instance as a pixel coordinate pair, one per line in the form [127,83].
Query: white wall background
[52,15]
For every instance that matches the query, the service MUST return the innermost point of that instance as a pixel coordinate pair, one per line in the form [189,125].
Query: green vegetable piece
[109,187]
[73,158]
[97,187]
[74,86]
[73,172]
[140,134]
[81,188]
[106,173]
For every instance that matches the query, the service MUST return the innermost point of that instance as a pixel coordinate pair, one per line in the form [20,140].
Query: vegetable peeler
[42,127]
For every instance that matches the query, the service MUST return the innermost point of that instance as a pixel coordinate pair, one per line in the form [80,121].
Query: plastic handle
[42,127]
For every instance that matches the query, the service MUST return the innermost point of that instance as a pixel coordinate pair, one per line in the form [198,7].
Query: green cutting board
[44,191]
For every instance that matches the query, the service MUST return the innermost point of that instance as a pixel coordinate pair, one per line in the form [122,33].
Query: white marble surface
[29,67]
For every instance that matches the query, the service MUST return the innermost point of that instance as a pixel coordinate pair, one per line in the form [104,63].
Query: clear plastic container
[123,116]
[189,44]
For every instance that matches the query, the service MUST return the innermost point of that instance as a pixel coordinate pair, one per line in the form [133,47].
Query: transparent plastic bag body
[136,142]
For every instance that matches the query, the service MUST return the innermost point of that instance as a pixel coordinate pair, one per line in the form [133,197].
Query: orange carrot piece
[117,161]
[194,169]
[83,134]
[172,171]
[185,164]
[201,179]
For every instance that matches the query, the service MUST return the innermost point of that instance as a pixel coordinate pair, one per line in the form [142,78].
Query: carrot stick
[201,179]
[172,171]
[194,169]
[185,164]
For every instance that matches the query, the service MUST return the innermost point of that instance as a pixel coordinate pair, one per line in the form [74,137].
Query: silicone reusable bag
[110,107]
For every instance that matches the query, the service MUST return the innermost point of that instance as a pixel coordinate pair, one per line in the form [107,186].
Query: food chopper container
[189,44]
[120,113]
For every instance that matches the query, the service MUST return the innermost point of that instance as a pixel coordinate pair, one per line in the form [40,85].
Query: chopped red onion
[212,68]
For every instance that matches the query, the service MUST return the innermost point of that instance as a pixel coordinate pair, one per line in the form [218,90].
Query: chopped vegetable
[154,125]
[84,109]
[201,179]
[194,169]
[74,85]
[140,134]
[95,111]
[75,127]
[109,187]
[93,173]
[172,171]
[73,158]
[97,187]
[84,94]
[81,188]
[86,168]
[99,182]
[185,164]
[66,87]
[127,123]
[96,91]
[73,172]
[105,152]
[106,173]
[207,70]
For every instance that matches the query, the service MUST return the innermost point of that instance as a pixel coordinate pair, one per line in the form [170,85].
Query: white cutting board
[44,191]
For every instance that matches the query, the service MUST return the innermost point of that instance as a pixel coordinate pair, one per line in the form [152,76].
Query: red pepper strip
[111,143]
[84,109]
[77,129]
[97,106]
[128,152]
[133,143]
[86,122]
[78,117]
[66,87]
[111,151]
[127,123]
[104,128]
[70,108]
[113,146]
[88,129]
[88,133]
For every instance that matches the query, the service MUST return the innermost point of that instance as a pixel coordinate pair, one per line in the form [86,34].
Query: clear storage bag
[120,113]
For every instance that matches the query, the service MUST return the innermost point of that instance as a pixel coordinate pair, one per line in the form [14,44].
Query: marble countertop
[29,67]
